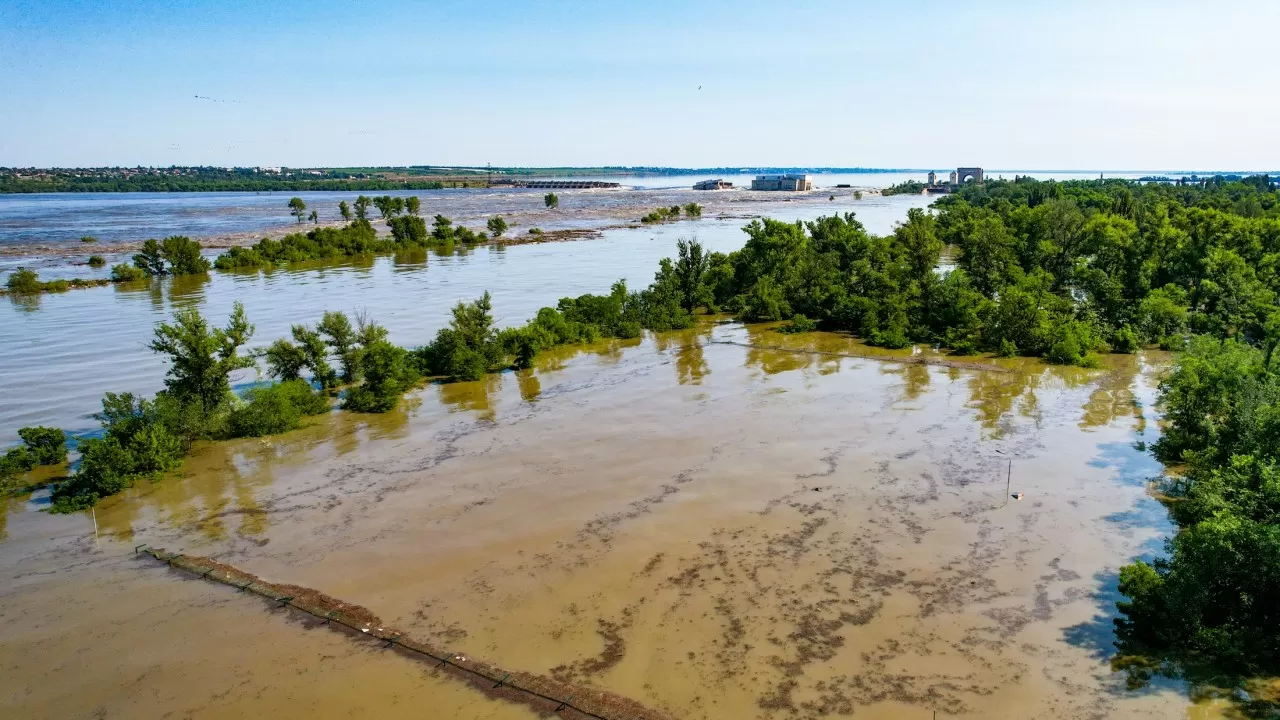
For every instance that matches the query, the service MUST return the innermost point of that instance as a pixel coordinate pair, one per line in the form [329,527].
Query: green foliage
[285,361]
[41,446]
[1125,341]
[137,442]
[297,208]
[315,353]
[692,210]
[345,211]
[273,409]
[408,230]
[202,359]
[412,205]
[354,240]
[664,214]
[387,373]
[551,200]
[88,239]
[175,255]
[1214,600]
[341,337]
[362,207]
[97,261]
[24,281]
[496,226]
[45,445]
[798,324]
[126,273]
[909,187]
[1071,343]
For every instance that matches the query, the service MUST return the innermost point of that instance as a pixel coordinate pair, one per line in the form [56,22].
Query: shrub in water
[46,445]
[275,409]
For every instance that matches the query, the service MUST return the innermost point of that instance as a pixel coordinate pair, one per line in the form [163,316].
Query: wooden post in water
[1008,482]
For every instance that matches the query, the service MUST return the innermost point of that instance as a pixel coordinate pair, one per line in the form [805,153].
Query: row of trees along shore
[1063,271]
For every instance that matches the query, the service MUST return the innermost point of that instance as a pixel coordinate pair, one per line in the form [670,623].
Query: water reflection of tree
[474,397]
[26,303]
[1113,397]
[691,366]
[915,379]
[530,386]
[994,394]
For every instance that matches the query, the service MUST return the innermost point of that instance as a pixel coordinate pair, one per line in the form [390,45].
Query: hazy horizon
[995,83]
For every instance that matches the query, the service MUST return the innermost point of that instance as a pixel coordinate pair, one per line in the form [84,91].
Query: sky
[1084,84]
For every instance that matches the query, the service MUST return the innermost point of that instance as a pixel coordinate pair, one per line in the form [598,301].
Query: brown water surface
[712,522]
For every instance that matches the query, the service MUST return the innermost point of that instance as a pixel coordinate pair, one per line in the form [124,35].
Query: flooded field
[720,523]
[61,352]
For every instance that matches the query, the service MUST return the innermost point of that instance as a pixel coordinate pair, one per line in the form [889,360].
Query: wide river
[724,522]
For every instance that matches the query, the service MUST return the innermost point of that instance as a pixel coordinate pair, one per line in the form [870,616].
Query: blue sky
[1138,84]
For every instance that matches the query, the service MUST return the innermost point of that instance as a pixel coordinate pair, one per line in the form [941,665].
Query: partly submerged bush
[46,445]
[126,273]
[136,443]
[387,373]
[276,408]
[24,281]
[798,324]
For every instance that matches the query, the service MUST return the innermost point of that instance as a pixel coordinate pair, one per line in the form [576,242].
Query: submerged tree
[551,201]
[202,359]
[344,210]
[497,226]
[297,208]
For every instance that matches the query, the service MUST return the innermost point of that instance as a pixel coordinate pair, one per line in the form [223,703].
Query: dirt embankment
[544,695]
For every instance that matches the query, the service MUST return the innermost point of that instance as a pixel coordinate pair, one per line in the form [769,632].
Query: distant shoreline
[26,181]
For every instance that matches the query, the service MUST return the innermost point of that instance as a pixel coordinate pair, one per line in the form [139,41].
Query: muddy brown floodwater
[716,523]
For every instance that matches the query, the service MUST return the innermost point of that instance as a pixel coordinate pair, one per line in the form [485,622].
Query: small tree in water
[497,226]
[551,201]
[203,358]
[344,210]
[297,208]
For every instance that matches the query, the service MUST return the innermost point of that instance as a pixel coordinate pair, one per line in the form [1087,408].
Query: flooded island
[1005,450]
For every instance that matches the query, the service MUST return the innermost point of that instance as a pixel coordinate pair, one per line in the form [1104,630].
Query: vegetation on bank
[1209,609]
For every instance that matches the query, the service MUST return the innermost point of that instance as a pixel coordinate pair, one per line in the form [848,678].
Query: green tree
[97,261]
[297,208]
[45,445]
[551,201]
[23,281]
[919,239]
[202,359]
[285,361]
[412,204]
[496,226]
[690,267]
[149,260]
[316,354]
[341,336]
[386,375]
[345,211]
[988,254]
[314,217]
[362,207]
[126,273]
